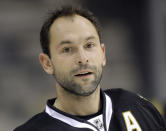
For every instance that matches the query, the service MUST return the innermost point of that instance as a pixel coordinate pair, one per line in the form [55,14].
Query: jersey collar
[78,122]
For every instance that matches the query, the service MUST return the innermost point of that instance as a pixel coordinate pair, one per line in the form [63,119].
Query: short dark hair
[64,11]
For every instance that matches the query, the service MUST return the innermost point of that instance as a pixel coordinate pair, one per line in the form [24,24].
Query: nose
[82,57]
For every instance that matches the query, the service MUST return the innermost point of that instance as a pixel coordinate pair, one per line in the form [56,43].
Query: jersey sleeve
[149,110]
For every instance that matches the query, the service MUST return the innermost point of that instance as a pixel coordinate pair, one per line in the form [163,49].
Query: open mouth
[83,74]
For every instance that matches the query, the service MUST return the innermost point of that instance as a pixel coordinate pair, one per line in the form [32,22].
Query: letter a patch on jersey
[131,122]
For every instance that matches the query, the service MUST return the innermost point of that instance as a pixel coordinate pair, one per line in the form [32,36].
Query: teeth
[83,73]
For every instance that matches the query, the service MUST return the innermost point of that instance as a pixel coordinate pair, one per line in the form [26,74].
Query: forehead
[72,27]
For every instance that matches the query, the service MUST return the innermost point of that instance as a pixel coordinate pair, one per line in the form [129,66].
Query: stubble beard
[68,83]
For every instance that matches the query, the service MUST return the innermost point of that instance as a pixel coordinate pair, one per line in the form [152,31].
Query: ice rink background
[134,33]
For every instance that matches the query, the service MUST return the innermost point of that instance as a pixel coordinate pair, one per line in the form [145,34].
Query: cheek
[97,57]
[63,65]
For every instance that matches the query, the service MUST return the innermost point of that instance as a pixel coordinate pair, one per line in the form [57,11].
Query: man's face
[76,54]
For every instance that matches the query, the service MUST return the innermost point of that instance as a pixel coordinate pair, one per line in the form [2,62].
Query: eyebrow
[64,42]
[90,37]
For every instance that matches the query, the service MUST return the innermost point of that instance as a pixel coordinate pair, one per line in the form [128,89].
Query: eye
[90,45]
[66,50]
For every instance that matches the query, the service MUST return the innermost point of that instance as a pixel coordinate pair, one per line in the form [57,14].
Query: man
[74,55]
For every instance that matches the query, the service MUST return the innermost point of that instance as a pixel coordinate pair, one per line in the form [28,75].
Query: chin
[87,92]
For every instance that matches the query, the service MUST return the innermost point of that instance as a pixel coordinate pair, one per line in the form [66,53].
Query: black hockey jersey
[122,111]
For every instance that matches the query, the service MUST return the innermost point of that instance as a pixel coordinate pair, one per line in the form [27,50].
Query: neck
[78,105]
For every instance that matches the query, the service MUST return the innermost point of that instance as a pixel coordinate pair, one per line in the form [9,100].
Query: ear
[103,54]
[46,63]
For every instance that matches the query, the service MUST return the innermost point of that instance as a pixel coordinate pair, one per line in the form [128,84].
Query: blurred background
[134,32]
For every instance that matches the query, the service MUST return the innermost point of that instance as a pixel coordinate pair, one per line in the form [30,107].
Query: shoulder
[126,101]
[123,97]
[34,123]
